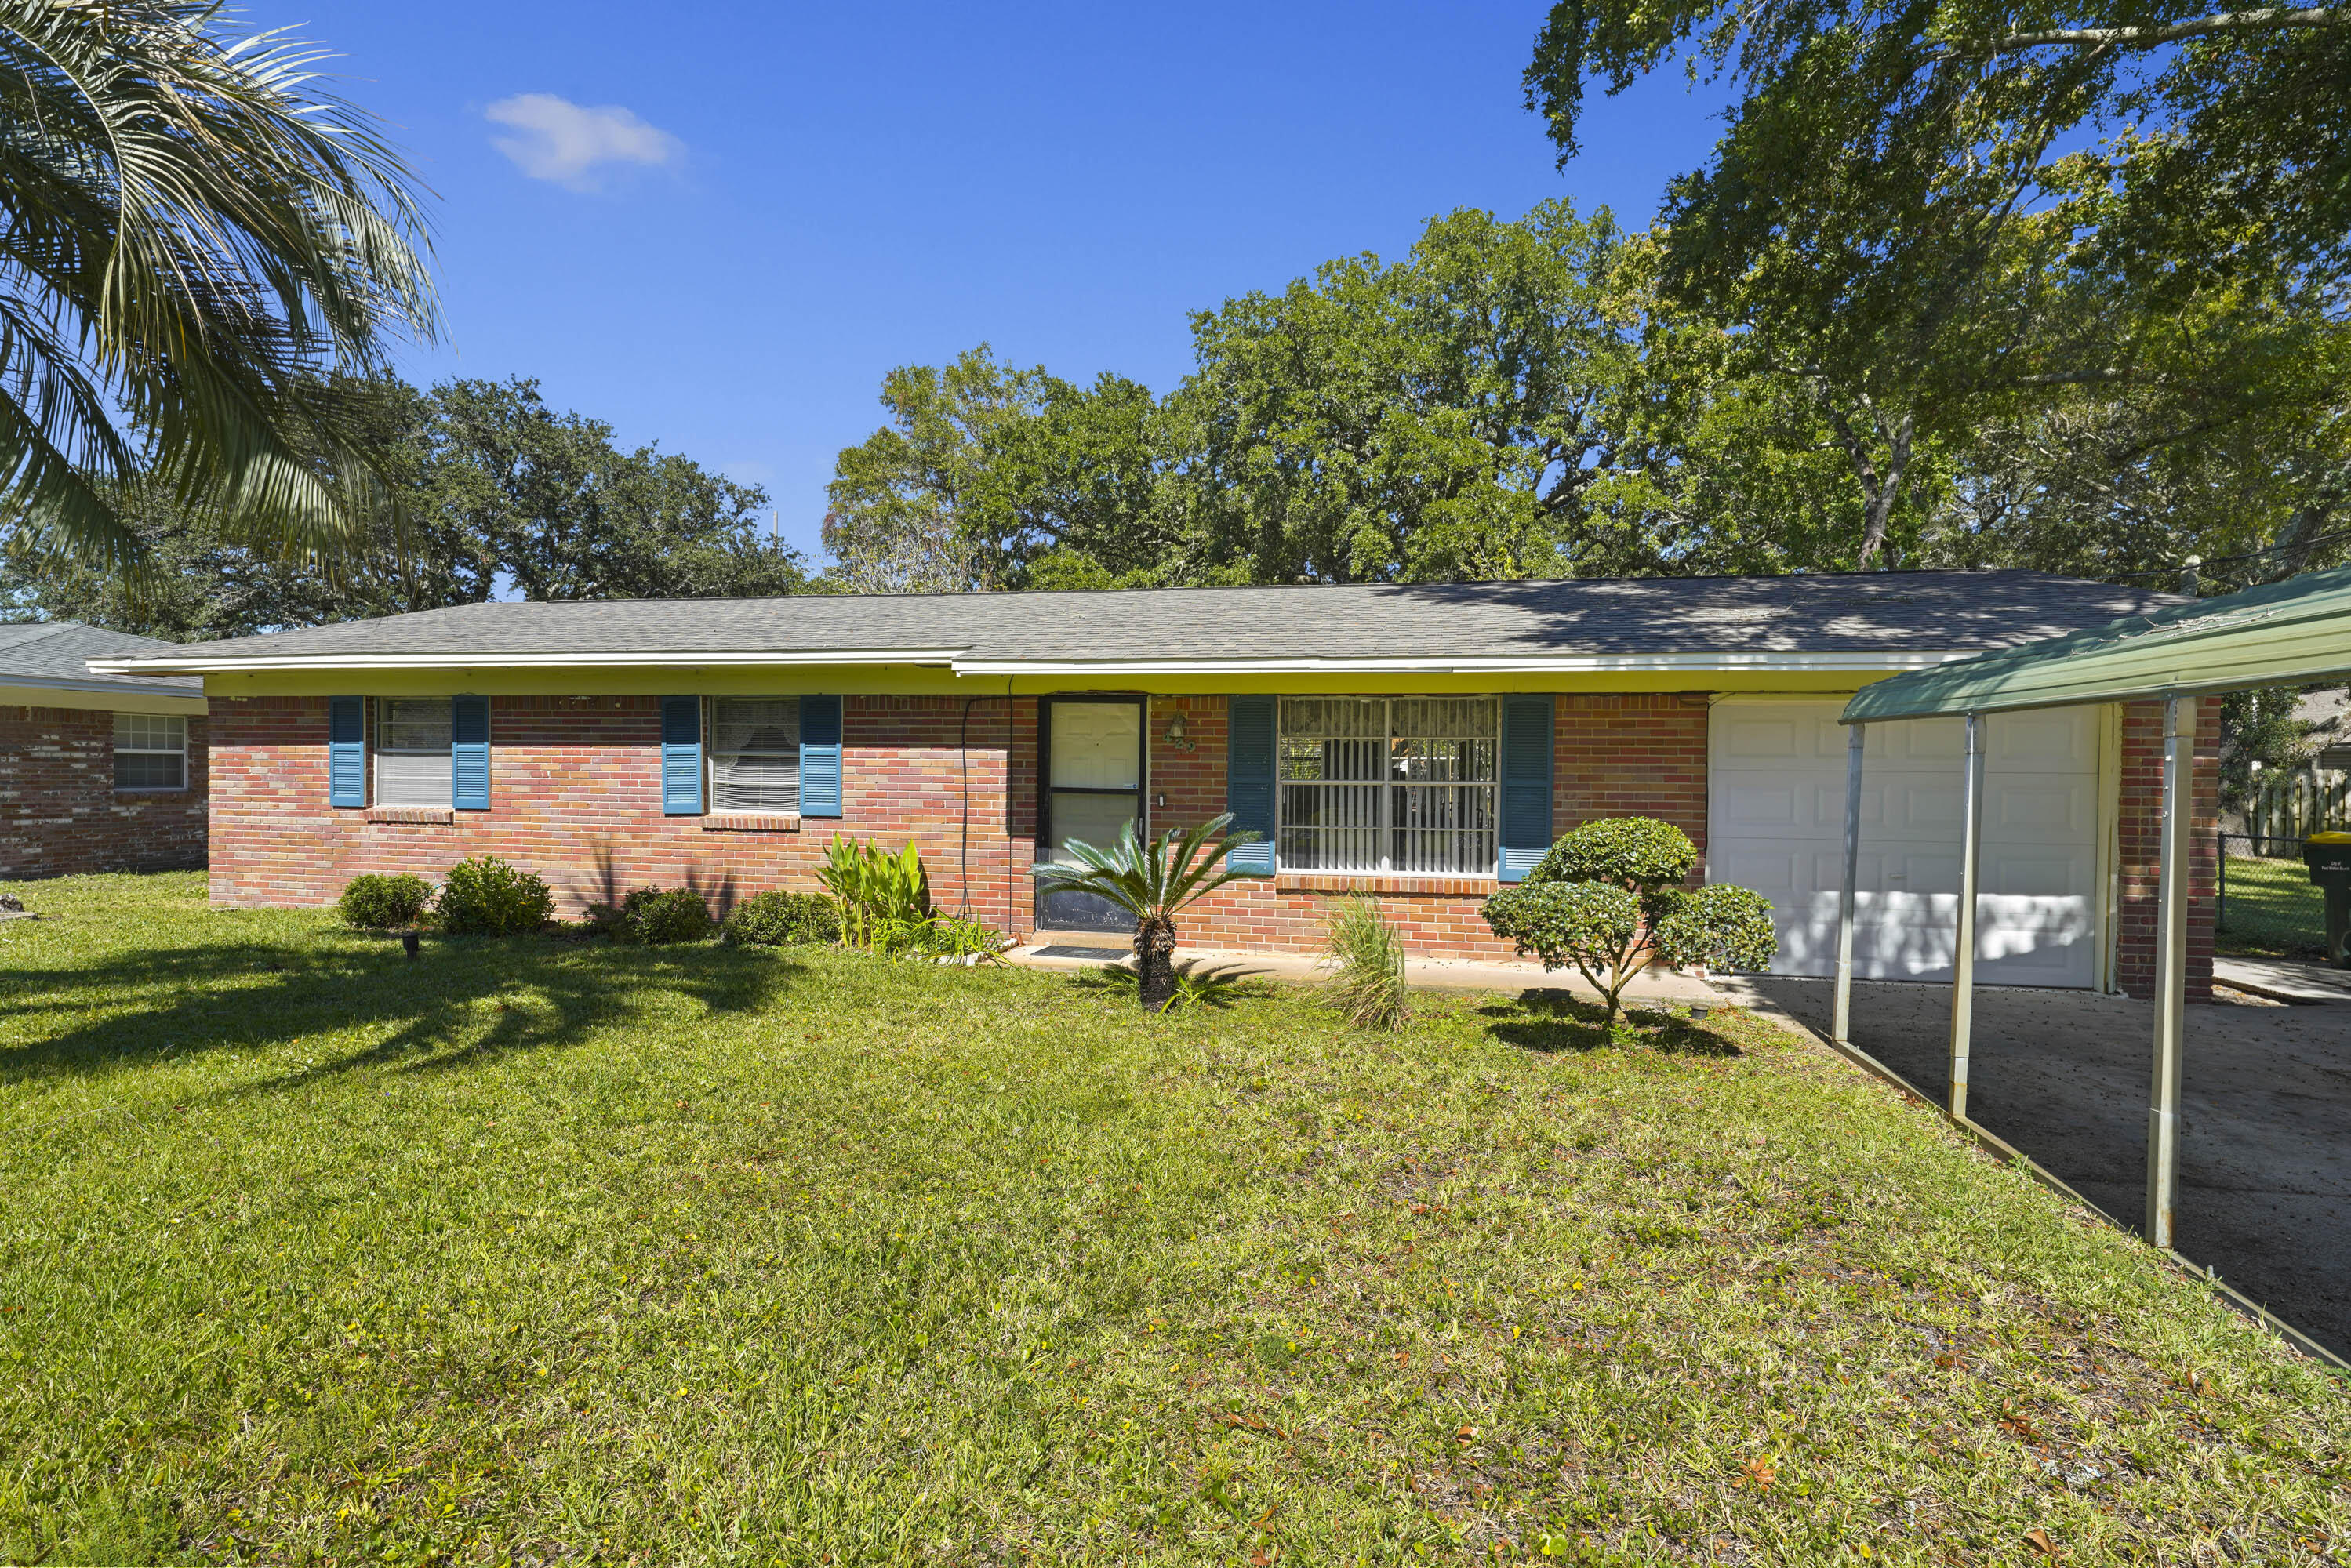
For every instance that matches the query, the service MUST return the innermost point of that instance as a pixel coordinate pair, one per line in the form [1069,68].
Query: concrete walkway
[1306,969]
[2063,1076]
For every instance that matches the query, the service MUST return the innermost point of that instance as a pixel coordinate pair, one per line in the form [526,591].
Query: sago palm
[1153,882]
[202,256]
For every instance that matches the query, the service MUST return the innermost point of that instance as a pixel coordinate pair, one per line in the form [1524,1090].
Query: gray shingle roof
[55,654]
[1931,612]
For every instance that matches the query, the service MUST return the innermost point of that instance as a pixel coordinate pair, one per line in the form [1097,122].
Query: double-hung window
[150,751]
[1396,785]
[413,758]
[755,755]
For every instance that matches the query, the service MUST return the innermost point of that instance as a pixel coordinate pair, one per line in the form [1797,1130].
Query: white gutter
[158,664]
[1568,665]
[1593,663]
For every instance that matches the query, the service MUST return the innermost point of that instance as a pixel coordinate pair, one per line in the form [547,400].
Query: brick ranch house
[1422,743]
[97,772]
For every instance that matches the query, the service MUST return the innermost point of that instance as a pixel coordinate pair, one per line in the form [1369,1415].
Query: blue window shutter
[819,757]
[1526,785]
[1248,781]
[347,752]
[681,757]
[469,746]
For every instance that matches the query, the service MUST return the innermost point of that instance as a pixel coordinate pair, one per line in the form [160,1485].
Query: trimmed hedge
[489,895]
[780,919]
[374,902]
[657,917]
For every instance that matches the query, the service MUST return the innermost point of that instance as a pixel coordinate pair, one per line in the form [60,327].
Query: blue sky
[785,200]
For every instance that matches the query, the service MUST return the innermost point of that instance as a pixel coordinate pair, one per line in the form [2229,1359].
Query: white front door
[1775,823]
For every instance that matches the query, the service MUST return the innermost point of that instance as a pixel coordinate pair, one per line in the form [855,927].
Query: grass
[548,1252]
[2272,910]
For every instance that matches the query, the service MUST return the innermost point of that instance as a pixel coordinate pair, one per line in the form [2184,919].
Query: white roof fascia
[1589,664]
[1593,663]
[160,665]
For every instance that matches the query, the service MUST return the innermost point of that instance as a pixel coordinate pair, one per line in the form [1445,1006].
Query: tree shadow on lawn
[535,992]
[1557,1020]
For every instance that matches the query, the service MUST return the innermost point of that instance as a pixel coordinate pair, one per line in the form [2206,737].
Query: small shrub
[657,917]
[880,896]
[1366,959]
[489,895]
[377,903]
[1636,852]
[1608,899]
[932,937]
[952,936]
[782,920]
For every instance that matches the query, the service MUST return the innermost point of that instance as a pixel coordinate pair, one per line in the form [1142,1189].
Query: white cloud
[561,141]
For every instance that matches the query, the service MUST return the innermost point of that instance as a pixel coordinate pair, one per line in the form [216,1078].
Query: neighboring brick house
[1419,743]
[97,772]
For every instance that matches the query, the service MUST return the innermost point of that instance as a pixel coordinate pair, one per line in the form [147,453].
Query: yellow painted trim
[190,706]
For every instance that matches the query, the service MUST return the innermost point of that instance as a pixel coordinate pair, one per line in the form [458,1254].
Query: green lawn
[2272,910]
[545,1252]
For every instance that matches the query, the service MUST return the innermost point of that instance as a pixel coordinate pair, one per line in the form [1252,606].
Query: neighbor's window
[755,755]
[1378,784]
[411,751]
[150,751]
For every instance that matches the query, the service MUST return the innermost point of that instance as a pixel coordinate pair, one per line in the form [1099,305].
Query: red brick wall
[1616,756]
[575,795]
[1642,755]
[61,813]
[2141,847]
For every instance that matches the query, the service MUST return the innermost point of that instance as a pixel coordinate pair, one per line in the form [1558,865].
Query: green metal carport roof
[2280,633]
[2293,633]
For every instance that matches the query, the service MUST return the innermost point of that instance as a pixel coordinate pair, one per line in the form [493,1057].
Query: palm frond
[211,239]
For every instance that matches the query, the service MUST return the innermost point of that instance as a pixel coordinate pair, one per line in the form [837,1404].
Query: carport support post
[1963,965]
[2171,967]
[1841,1022]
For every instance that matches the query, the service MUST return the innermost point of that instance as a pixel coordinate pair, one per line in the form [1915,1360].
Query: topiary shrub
[1607,900]
[656,917]
[373,901]
[782,920]
[1636,852]
[489,895]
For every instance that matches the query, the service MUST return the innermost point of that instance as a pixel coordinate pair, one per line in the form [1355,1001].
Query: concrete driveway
[2265,1158]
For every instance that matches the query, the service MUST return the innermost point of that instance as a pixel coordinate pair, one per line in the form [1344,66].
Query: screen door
[1093,787]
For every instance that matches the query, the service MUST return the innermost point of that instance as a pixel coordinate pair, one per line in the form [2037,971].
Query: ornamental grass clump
[1365,954]
[374,902]
[1608,900]
[489,896]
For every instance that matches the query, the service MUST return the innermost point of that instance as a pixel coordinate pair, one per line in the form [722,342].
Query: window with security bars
[150,751]
[1396,785]
[755,755]
[413,760]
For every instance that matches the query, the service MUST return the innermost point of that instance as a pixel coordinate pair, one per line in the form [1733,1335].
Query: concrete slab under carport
[2063,1076]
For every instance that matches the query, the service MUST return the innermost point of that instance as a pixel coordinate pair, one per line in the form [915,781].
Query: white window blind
[413,765]
[755,755]
[1402,785]
[150,751]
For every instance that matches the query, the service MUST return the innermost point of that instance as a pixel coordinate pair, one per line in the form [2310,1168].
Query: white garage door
[1775,823]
